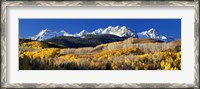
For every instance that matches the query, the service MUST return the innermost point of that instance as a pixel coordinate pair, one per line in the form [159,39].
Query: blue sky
[30,27]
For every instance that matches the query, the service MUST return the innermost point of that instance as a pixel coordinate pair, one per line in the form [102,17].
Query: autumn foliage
[124,55]
[33,44]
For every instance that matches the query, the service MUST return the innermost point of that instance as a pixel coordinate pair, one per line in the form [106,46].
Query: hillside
[88,41]
[76,42]
[177,42]
[128,54]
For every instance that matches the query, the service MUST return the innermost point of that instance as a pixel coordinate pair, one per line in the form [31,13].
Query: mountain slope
[47,34]
[153,33]
[122,31]
[87,41]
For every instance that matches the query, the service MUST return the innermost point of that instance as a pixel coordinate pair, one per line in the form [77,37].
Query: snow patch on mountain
[81,34]
[47,34]
[117,30]
[153,33]
[97,32]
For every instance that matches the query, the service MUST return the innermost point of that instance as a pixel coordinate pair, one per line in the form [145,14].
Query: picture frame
[4,39]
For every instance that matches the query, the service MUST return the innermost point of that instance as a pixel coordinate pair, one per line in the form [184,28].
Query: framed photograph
[100,44]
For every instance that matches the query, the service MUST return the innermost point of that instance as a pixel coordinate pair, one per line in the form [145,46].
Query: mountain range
[120,31]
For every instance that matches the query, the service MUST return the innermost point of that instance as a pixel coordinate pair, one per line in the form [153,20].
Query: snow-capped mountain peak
[46,34]
[153,33]
[42,32]
[152,30]
[121,31]
[81,34]
[97,32]
[117,30]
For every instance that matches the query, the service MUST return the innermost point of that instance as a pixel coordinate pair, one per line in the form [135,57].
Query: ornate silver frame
[6,4]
